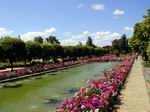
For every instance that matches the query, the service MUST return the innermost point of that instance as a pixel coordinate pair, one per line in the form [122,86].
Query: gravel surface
[135,96]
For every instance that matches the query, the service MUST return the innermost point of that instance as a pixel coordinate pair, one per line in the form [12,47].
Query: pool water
[44,93]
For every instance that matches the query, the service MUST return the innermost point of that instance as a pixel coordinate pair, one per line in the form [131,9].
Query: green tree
[14,49]
[80,44]
[38,39]
[34,50]
[1,53]
[141,36]
[58,51]
[116,45]
[124,43]
[66,51]
[120,45]
[48,51]
[89,42]
[52,40]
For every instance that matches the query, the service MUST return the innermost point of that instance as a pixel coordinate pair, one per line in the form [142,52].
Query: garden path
[135,97]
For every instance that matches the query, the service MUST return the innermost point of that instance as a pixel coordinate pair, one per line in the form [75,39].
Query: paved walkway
[135,95]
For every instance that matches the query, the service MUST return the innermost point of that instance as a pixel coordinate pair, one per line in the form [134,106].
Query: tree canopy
[141,36]
[52,40]
[120,45]
[14,49]
[89,42]
[34,50]
[38,39]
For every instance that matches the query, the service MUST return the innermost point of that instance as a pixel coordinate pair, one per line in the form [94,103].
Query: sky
[71,21]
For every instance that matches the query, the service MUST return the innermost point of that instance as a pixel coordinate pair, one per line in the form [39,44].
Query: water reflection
[70,90]
[13,85]
[53,101]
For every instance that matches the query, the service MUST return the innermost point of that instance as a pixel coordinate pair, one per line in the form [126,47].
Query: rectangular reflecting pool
[43,93]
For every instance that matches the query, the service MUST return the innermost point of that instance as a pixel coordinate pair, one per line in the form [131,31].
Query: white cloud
[98,7]
[4,31]
[105,38]
[81,36]
[118,12]
[80,5]
[67,34]
[85,32]
[69,42]
[30,35]
[50,31]
[128,29]
[99,38]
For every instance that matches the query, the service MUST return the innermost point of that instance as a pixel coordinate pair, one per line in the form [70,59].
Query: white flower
[96,110]
[82,107]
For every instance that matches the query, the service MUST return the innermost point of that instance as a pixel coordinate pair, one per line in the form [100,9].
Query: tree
[108,48]
[98,51]
[124,43]
[89,42]
[66,51]
[141,36]
[14,49]
[38,39]
[58,51]
[80,44]
[52,40]
[1,53]
[34,50]
[48,51]
[120,45]
[115,45]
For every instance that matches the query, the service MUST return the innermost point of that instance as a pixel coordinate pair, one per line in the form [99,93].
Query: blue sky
[71,20]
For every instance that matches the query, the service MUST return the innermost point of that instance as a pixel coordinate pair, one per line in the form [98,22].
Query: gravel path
[135,97]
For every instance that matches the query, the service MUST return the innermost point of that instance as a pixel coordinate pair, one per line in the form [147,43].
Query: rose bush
[99,95]
[40,67]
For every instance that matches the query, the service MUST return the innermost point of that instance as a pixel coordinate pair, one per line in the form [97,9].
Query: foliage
[1,53]
[58,50]
[141,36]
[34,50]
[14,49]
[52,40]
[99,95]
[89,42]
[120,45]
[66,51]
[38,39]
[80,44]
[146,64]
[47,51]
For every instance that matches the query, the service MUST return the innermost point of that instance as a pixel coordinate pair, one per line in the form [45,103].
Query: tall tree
[141,36]
[89,42]
[48,51]
[116,45]
[14,49]
[34,50]
[124,43]
[1,53]
[80,44]
[52,40]
[38,39]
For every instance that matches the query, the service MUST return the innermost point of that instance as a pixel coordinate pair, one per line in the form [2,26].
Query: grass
[146,63]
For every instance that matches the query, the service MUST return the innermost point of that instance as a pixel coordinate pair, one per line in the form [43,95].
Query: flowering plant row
[40,67]
[99,95]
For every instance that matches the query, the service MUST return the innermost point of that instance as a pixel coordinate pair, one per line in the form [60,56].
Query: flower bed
[39,68]
[99,95]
